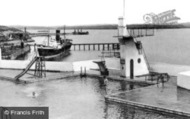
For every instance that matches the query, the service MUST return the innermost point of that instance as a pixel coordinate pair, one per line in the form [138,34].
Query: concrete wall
[114,72]
[133,54]
[89,64]
[183,80]
[181,71]
[171,69]
[111,63]
[13,64]
[59,66]
[50,66]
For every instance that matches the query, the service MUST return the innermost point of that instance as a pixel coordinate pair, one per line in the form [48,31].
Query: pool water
[72,98]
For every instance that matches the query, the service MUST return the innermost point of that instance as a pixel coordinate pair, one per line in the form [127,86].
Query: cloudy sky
[85,12]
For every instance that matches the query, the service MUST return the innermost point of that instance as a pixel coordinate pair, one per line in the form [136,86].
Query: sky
[85,12]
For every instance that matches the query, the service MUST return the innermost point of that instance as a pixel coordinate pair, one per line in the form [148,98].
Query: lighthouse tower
[132,59]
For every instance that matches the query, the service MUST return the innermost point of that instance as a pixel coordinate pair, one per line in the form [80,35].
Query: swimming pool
[72,98]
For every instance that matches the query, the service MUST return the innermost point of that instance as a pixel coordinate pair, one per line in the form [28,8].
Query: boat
[80,32]
[44,31]
[55,49]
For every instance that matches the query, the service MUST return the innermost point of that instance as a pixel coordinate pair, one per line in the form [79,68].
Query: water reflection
[123,85]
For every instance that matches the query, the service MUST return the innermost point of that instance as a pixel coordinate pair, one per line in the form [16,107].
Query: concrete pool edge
[111,96]
[147,107]
[164,109]
[65,75]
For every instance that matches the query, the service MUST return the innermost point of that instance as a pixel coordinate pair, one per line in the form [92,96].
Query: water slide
[26,69]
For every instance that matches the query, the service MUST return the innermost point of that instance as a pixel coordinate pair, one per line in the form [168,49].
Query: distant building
[2,37]
[11,35]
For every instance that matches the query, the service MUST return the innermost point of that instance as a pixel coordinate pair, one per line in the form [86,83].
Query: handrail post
[0,54]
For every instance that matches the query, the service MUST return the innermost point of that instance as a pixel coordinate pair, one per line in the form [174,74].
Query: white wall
[89,64]
[171,69]
[51,66]
[129,51]
[111,63]
[183,80]
[59,66]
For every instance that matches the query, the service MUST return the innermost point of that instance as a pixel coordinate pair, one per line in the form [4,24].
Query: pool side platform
[8,75]
[9,69]
[166,100]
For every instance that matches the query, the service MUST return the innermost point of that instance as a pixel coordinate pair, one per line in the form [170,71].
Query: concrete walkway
[9,75]
[155,98]
[30,78]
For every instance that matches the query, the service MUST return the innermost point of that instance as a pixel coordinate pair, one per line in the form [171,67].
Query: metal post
[40,68]
[81,70]
[98,46]
[79,46]
[89,47]
[93,46]
[43,67]
[108,46]
[103,47]
[24,35]
[117,46]
[138,32]
[146,32]
[48,40]
[85,71]
[84,46]
[0,54]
